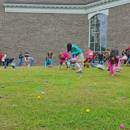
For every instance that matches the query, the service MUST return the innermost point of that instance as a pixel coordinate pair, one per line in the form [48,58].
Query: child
[48,62]
[26,55]
[1,55]
[91,56]
[3,59]
[7,61]
[50,56]
[13,64]
[31,60]
[87,61]
[76,51]
[63,56]
[20,59]
[128,59]
[100,58]
[112,63]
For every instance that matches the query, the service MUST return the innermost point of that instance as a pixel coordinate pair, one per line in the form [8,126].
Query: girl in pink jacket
[63,56]
[113,62]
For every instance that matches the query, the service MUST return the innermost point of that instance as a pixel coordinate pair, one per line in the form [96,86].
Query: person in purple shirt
[31,60]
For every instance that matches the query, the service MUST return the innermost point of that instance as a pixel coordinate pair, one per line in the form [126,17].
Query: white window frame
[105,12]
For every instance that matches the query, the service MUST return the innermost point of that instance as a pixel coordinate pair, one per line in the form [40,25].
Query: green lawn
[67,96]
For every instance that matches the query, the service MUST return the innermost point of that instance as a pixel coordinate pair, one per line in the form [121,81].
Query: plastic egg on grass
[122,126]
[106,78]
[0,96]
[92,85]
[123,98]
[19,82]
[38,97]
[46,81]
[87,110]
[95,84]
[43,93]
[3,86]
[39,88]
[121,92]
[92,78]
[69,82]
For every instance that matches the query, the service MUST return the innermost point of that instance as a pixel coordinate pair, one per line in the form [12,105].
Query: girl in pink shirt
[63,58]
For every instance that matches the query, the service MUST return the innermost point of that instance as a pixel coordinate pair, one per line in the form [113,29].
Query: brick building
[43,25]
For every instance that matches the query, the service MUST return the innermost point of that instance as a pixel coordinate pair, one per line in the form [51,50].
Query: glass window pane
[92,46]
[97,46]
[97,37]
[103,37]
[91,38]
[98,32]
[97,27]
[103,46]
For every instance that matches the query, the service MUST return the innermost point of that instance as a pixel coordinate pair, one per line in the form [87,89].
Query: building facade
[43,25]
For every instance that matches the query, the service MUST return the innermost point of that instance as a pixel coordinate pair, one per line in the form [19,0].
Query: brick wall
[1,26]
[40,33]
[119,27]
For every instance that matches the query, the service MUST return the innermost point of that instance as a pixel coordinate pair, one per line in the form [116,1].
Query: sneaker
[79,71]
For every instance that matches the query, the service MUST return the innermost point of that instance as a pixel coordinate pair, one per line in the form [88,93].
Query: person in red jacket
[1,55]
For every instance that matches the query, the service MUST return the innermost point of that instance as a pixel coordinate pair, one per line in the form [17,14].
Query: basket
[101,67]
[118,69]
[73,60]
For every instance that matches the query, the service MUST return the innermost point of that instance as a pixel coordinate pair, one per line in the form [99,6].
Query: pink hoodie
[66,55]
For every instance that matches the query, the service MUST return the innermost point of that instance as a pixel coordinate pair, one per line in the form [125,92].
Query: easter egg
[43,93]
[3,86]
[0,96]
[92,78]
[87,110]
[38,97]
[122,126]
[39,88]
[69,82]
[123,98]
[121,92]
[92,85]
[46,81]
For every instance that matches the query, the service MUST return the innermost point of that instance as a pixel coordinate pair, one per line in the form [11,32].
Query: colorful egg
[43,93]
[122,126]
[87,110]
[38,97]
[123,98]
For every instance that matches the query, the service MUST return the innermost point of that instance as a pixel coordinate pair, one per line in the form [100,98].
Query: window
[98,33]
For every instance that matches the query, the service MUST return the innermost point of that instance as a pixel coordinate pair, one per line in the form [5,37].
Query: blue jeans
[91,63]
[5,64]
[20,62]
[100,61]
[31,62]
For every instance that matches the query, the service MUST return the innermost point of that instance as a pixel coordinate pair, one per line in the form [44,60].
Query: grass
[67,96]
